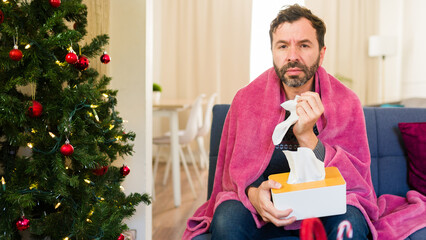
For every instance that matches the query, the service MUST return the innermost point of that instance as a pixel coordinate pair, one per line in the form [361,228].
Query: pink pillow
[414,137]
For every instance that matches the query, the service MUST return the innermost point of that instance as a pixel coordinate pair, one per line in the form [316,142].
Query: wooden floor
[169,222]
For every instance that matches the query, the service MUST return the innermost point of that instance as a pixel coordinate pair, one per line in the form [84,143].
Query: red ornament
[82,63]
[67,149]
[22,223]
[124,170]
[71,57]
[100,171]
[35,110]
[55,3]
[121,237]
[105,58]
[15,54]
[1,16]
[312,227]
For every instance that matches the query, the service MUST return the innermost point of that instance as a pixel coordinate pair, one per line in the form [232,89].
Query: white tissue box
[311,199]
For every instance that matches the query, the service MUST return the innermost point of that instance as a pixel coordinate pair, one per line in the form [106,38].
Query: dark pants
[232,220]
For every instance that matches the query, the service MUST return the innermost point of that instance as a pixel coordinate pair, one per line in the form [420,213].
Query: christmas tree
[59,130]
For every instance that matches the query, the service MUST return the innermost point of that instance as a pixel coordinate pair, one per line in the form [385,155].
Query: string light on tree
[3,184]
[89,182]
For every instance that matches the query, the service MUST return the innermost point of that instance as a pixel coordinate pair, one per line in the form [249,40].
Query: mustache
[293,65]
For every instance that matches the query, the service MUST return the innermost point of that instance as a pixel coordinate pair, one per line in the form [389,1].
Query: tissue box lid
[332,178]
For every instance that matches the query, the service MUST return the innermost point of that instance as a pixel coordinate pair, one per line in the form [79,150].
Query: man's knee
[229,214]
[231,217]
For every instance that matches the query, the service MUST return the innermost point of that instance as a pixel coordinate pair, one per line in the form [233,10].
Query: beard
[297,81]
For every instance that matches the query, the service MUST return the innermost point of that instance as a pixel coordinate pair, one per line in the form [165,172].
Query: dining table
[170,108]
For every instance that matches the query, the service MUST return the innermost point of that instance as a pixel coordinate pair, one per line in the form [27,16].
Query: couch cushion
[370,120]
[388,158]
[418,235]
[414,136]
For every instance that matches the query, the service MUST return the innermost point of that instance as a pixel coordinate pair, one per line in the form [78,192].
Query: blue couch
[388,159]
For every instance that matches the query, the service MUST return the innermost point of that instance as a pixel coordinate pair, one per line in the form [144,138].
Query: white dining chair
[186,136]
[204,130]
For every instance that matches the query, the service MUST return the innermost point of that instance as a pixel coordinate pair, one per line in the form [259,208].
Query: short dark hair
[295,12]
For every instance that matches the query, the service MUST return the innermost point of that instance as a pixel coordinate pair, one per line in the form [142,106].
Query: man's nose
[292,54]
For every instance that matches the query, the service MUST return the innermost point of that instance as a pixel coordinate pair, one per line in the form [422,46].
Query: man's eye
[305,46]
[283,46]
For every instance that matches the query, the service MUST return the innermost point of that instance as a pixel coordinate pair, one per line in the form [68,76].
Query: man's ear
[322,54]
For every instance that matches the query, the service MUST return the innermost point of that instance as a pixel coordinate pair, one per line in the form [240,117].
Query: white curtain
[349,24]
[201,46]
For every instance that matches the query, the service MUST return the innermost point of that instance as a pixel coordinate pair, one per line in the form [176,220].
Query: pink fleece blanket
[246,148]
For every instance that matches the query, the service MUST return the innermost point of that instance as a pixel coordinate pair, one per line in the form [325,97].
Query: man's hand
[260,198]
[309,108]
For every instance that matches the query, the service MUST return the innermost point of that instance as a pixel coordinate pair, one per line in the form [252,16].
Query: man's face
[296,53]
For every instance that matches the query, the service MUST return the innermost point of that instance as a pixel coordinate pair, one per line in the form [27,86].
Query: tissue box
[311,199]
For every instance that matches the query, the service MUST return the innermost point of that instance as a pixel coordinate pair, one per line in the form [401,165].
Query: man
[331,123]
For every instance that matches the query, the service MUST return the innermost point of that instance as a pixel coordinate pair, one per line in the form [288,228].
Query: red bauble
[35,110]
[312,227]
[124,170]
[1,16]
[15,54]
[121,237]
[67,149]
[55,3]
[22,223]
[71,58]
[105,58]
[100,171]
[82,63]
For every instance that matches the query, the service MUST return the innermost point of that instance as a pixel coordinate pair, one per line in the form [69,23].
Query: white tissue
[304,166]
[282,128]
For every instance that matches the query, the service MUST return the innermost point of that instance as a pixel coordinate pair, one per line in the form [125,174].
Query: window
[264,11]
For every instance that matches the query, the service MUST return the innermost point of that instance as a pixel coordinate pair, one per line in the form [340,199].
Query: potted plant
[156,92]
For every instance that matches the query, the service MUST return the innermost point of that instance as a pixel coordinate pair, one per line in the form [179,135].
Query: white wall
[404,72]
[263,12]
[413,49]
[128,35]
[390,24]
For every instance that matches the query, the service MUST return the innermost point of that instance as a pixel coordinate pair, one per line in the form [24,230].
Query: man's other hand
[260,198]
